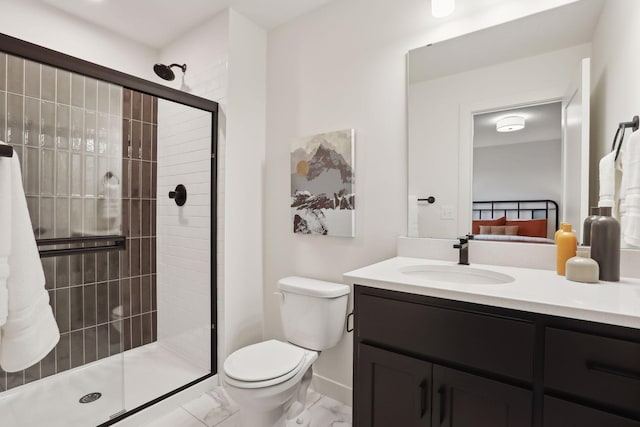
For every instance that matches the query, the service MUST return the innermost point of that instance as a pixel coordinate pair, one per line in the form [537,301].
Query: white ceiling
[155,23]
[542,123]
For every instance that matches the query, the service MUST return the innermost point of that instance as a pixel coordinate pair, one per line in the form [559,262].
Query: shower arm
[183,67]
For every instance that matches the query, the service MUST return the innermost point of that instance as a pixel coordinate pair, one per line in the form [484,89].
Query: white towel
[5,237]
[30,331]
[630,191]
[610,180]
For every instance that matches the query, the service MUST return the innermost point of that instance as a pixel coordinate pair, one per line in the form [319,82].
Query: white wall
[243,194]
[226,60]
[343,66]
[434,118]
[44,25]
[205,50]
[529,170]
[615,85]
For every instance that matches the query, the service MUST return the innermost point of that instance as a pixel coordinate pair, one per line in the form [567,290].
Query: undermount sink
[457,274]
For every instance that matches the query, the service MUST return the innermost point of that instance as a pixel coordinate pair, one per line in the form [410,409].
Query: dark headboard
[529,209]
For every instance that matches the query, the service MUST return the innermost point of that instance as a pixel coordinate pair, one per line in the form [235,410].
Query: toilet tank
[313,312]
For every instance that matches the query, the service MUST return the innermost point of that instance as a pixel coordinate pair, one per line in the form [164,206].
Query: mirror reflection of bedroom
[517,178]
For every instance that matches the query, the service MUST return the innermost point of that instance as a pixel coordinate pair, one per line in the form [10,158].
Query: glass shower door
[66,129]
[170,247]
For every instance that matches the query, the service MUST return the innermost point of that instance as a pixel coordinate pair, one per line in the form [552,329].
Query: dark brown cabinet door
[560,413]
[392,390]
[464,400]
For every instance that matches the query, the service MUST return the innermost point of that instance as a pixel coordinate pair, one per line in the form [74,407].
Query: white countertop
[538,291]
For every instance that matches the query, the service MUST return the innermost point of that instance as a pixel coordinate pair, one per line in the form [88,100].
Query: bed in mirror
[517,178]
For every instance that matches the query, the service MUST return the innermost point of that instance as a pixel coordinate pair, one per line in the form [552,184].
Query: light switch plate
[447,212]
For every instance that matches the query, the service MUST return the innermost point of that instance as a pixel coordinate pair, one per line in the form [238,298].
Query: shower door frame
[33,52]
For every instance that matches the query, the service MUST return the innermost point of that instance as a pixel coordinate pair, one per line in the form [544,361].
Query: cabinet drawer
[495,344]
[605,370]
[559,413]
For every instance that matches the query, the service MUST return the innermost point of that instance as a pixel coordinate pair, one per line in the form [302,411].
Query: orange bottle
[567,244]
[558,231]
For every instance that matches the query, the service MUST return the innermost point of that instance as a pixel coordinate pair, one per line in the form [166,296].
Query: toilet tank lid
[313,287]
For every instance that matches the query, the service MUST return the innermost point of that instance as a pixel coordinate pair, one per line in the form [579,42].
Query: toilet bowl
[276,377]
[269,380]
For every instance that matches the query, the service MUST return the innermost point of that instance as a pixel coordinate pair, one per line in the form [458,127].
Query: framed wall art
[322,184]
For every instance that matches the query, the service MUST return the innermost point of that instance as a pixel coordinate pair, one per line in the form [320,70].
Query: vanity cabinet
[399,390]
[425,361]
[462,399]
[396,389]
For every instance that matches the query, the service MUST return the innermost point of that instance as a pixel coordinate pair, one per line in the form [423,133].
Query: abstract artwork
[322,184]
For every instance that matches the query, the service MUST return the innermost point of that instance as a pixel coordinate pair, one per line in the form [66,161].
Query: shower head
[165,72]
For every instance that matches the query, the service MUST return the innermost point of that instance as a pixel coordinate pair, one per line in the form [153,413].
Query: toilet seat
[264,364]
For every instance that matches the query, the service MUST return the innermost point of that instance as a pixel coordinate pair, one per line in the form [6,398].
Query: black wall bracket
[179,195]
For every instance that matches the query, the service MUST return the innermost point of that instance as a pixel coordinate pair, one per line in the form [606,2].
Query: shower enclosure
[130,273]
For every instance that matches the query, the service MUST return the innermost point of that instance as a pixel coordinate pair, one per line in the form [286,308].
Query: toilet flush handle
[279,294]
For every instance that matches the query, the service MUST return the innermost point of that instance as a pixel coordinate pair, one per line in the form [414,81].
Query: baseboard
[167,405]
[332,389]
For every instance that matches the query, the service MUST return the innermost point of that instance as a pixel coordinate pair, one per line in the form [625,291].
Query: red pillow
[530,227]
[475,227]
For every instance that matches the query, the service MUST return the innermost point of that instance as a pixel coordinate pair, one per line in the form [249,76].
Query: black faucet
[464,250]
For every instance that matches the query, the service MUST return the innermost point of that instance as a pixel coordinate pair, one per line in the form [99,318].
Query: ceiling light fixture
[510,124]
[442,8]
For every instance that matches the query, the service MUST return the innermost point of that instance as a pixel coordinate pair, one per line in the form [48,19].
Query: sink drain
[91,397]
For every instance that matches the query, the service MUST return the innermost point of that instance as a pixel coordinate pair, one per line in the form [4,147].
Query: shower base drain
[91,397]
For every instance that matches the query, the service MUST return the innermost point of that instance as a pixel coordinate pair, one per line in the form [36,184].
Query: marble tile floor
[215,409]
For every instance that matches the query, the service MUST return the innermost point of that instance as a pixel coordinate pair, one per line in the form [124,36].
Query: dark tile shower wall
[138,262]
[68,132]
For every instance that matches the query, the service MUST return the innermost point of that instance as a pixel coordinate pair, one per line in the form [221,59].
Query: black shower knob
[179,195]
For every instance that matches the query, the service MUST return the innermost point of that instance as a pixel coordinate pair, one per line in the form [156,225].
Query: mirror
[580,62]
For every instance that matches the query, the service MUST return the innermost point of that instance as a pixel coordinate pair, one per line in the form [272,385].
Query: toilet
[269,380]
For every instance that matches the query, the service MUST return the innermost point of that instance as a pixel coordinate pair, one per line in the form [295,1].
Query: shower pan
[99,152]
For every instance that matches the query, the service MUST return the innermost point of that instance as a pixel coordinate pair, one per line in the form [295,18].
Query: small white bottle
[582,268]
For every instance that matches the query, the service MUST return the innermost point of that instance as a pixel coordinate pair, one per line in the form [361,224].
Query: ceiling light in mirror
[442,8]
[510,124]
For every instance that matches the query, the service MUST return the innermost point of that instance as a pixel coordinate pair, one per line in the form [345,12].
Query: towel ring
[634,124]
[615,138]
[619,143]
